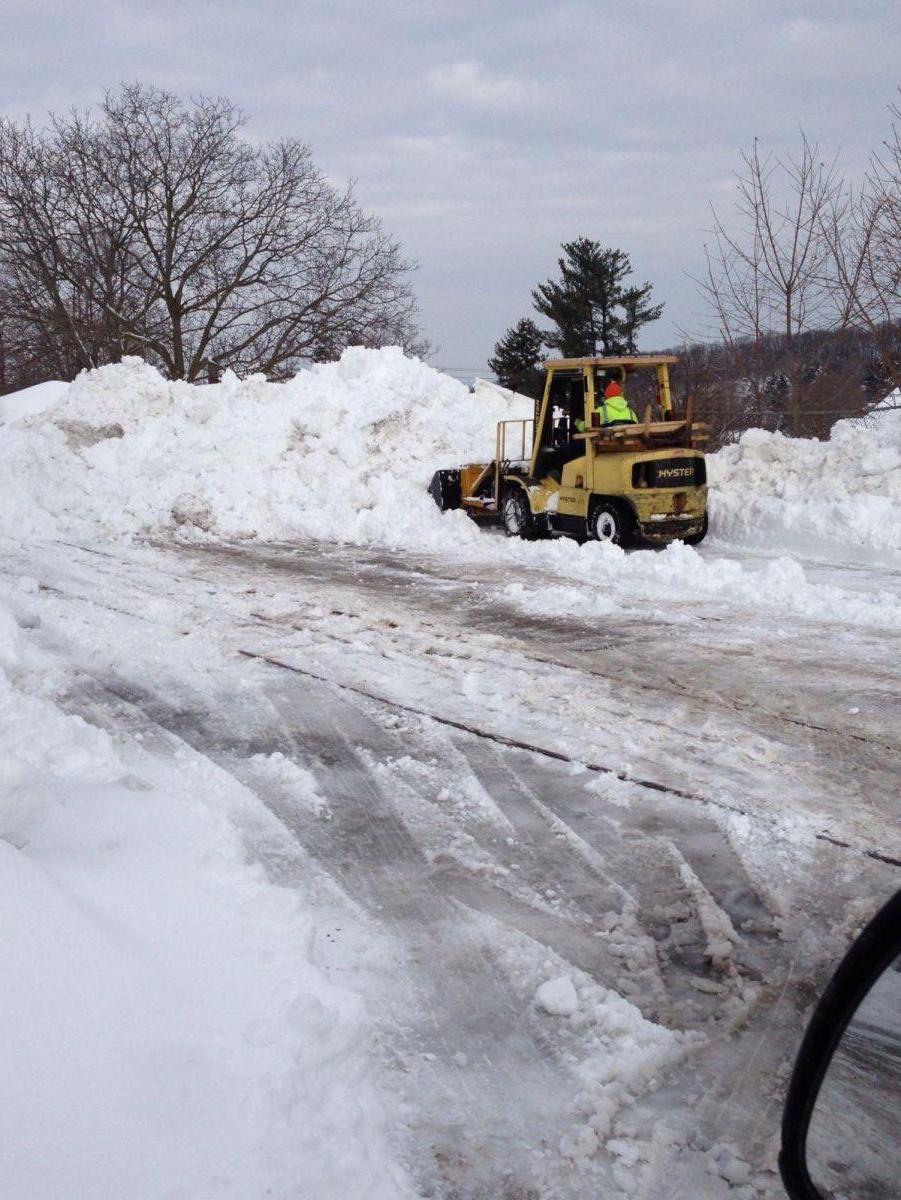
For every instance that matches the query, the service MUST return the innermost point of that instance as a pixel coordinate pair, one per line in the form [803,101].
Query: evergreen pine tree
[516,359]
[637,311]
[594,313]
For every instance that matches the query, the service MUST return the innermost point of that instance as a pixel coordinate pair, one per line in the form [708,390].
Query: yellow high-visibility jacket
[615,409]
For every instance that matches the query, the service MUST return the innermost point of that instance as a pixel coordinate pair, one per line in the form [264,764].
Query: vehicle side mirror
[841,1126]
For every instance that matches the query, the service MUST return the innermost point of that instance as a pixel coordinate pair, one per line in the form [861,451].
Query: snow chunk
[558,997]
[10,640]
[299,783]
[680,573]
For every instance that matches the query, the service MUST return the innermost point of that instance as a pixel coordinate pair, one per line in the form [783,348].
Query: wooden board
[621,360]
[661,429]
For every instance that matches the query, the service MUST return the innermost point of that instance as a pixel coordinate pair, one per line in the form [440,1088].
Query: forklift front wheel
[606,524]
[517,515]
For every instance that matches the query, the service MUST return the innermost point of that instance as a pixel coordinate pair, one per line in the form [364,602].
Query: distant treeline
[747,384]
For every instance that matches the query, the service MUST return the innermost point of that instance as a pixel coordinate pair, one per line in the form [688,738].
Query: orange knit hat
[612,389]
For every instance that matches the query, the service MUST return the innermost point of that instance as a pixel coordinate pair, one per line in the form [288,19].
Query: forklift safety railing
[507,441]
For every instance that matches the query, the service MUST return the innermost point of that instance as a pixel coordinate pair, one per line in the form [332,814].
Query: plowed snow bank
[345,450]
[342,451]
[846,491]
[163,1031]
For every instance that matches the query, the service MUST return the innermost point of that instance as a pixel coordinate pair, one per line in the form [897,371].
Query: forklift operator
[613,410]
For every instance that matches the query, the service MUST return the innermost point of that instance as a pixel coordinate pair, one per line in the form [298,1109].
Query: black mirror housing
[876,948]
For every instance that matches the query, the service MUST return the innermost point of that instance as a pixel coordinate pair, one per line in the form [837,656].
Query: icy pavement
[588,869]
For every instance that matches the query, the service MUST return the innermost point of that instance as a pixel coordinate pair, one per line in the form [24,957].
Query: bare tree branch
[152,226]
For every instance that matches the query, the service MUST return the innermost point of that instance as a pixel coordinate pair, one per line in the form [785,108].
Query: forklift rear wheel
[606,524]
[517,515]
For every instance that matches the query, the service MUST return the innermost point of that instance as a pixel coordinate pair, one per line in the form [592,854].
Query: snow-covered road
[670,811]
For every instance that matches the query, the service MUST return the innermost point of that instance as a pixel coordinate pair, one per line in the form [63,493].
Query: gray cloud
[486,133]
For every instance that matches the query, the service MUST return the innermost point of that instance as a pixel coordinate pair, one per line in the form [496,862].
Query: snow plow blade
[445,489]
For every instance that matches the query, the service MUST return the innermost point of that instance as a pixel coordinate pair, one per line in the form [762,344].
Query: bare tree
[882,207]
[153,227]
[770,275]
[863,231]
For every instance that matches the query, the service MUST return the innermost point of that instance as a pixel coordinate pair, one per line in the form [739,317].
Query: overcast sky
[485,133]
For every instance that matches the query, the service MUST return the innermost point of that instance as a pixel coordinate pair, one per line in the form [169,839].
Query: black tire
[607,522]
[516,515]
[697,538]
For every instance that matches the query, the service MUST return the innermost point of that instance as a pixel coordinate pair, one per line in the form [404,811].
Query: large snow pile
[163,1029]
[343,451]
[847,491]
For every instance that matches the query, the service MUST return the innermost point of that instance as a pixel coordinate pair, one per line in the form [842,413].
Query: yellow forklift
[563,472]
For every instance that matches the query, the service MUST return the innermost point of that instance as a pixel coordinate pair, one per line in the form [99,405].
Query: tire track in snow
[501,617]
[492,1096]
[325,565]
[641,826]
[648,851]
[494,1122]
[843,843]
[559,756]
